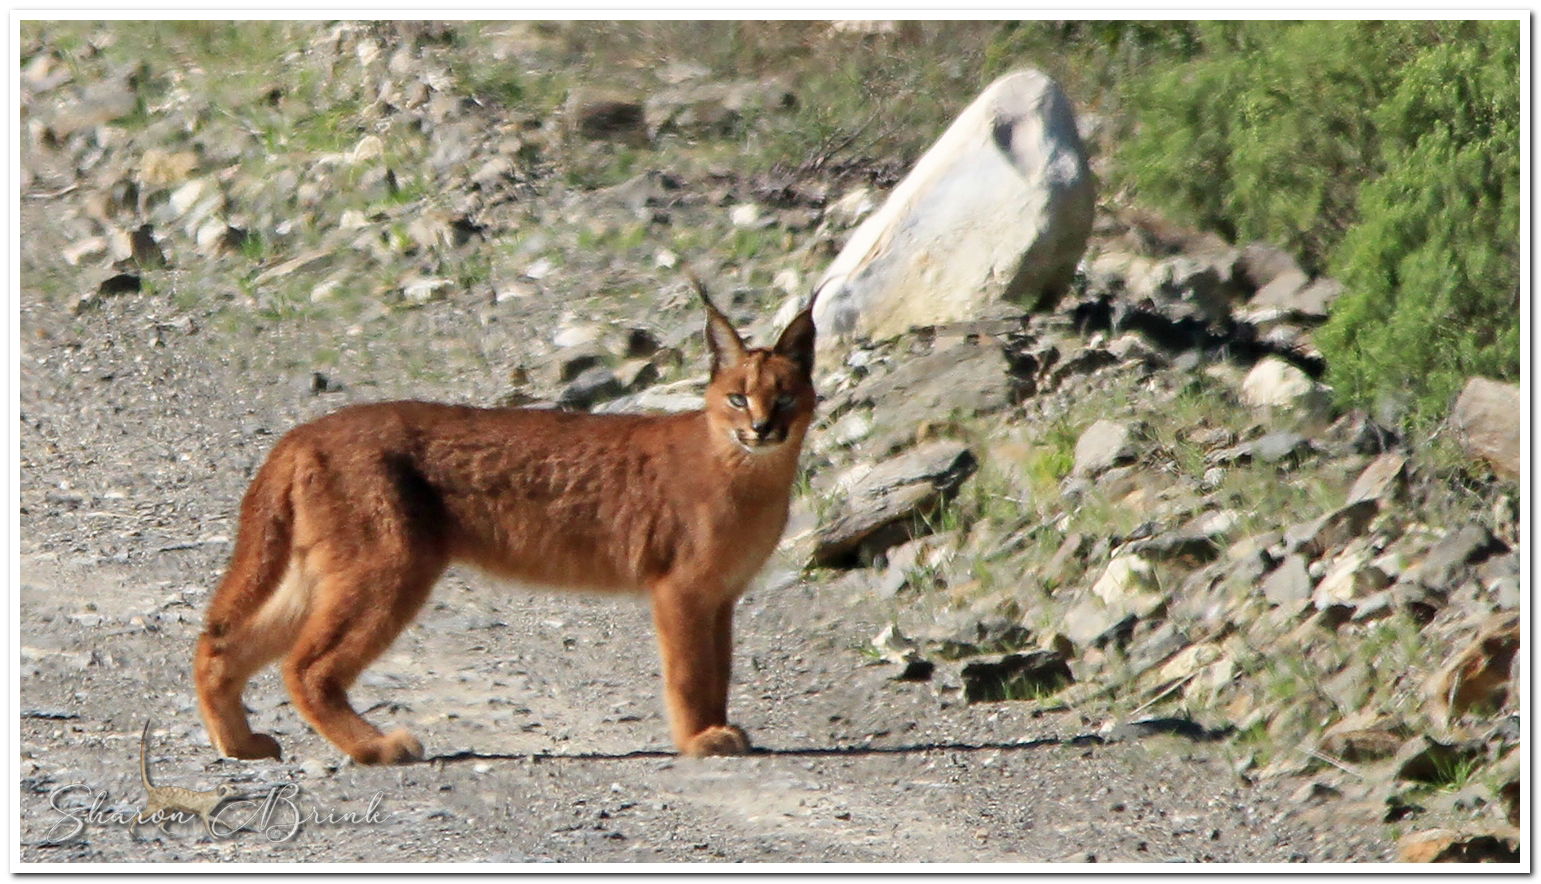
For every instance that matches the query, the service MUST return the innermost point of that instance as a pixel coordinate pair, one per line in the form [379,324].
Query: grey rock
[1151,644]
[593,385]
[1499,567]
[1103,445]
[1175,547]
[1357,433]
[1349,579]
[1067,558]
[1283,447]
[1384,479]
[1361,744]
[1280,446]
[712,108]
[1281,291]
[965,379]
[684,395]
[1260,263]
[880,507]
[1090,623]
[636,195]
[1313,538]
[1129,585]
[634,374]
[1082,362]
[308,262]
[1277,384]
[1445,563]
[994,635]
[1506,593]
[1486,421]
[1289,584]
[1315,793]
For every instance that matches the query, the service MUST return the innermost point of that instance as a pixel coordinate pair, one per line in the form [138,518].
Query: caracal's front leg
[695,642]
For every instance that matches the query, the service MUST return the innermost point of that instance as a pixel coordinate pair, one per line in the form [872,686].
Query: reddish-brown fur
[354,516]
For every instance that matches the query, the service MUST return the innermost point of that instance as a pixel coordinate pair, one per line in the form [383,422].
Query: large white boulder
[1000,207]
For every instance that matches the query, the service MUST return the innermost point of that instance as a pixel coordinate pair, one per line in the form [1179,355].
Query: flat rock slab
[1104,445]
[1385,478]
[1336,528]
[881,506]
[962,380]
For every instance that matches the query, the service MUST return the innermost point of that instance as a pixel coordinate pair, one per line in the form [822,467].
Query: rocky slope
[1129,532]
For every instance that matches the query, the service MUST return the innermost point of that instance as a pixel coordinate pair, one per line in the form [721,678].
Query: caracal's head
[760,399]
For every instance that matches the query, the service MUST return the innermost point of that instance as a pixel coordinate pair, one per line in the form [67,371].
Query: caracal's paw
[256,746]
[396,747]
[721,739]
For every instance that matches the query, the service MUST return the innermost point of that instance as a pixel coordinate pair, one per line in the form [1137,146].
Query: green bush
[1384,152]
[1432,268]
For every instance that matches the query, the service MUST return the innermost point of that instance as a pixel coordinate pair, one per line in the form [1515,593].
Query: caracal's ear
[796,342]
[722,338]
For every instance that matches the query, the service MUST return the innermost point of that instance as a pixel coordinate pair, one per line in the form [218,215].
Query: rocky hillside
[1138,505]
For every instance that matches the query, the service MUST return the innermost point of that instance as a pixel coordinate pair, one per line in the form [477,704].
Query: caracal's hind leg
[695,642]
[221,668]
[241,637]
[358,611]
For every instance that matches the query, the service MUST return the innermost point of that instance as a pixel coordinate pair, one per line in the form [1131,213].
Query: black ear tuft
[796,342]
[722,339]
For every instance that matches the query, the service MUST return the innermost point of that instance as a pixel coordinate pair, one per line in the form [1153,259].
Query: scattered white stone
[1275,383]
[325,291]
[851,428]
[576,335]
[421,291]
[1189,660]
[88,249]
[199,194]
[540,269]
[744,215]
[507,290]
[853,206]
[1129,584]
[789,281]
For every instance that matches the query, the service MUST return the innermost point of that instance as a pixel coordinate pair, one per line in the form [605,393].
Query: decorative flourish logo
[277,812]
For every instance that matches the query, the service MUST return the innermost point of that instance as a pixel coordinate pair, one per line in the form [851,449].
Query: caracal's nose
[761,428]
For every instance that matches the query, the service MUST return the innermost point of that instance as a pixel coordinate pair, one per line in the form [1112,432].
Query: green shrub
[1432,269]
[1384,152]
[1266,133]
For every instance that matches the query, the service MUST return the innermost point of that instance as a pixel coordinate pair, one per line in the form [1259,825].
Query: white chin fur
[752,449]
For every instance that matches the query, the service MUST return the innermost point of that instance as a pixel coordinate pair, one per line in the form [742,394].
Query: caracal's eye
[784,400]
[737,400]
